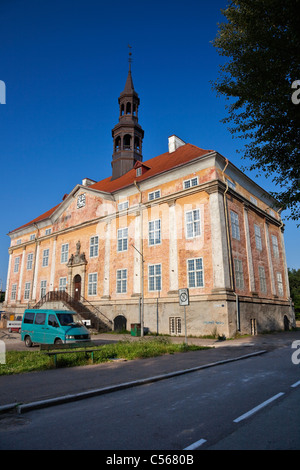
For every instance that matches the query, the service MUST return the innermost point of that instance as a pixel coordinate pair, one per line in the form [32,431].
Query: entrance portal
[77,287]
[120,323]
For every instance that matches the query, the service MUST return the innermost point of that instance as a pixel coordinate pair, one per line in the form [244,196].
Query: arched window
[118,144]
[137,144]
[127,142]
[122,109]
[128,108]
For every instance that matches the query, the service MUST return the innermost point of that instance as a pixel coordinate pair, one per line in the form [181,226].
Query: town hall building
[120,248]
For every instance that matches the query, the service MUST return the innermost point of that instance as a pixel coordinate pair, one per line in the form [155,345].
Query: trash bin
[135,329]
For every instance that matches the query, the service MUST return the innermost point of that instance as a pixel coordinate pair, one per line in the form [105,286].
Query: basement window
[175,325]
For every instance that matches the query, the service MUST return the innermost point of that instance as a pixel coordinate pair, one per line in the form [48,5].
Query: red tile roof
[157,165]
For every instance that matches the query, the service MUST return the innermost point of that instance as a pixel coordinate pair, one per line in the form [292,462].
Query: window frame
[239,274]
[235,225]
[154,195]
[94,246]
[27,288]
[156,277]
[121,281]
[262,279]
[155,240]
[92,284]
[29,261]
[258,237]
[45,258]
[196,232]
[122,241]
[194,271]
[64,254]
[191,182]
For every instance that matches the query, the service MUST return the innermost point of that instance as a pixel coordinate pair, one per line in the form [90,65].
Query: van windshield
[68,319]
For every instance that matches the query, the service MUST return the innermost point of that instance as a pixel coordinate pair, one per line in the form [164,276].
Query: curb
[25,407]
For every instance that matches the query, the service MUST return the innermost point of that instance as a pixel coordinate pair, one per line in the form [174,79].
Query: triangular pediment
[81,205]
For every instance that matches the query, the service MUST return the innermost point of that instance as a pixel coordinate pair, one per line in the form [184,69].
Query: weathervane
[129,58]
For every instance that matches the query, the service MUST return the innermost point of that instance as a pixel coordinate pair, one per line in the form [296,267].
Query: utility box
[135,329]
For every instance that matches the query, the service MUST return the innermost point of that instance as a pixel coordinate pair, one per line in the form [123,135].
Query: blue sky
[65,62]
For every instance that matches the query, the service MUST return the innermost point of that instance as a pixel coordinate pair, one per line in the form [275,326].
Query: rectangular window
[19,241]
[43,288]
[191,182]
[62,284]
[94,244]
[13,291]
[45,261]
[122,239]
[27,291]
[258,241]
[235,227]
[17,263]
[32,237]
[154,277]
[239,274]
[48,231]
[154,232]
[195,272]
[121,281]
[64,253]
[192,221]
[275,246]
[154,195]
[253,200]
[92,284]
[29,261]
[262,279]
[175,325]
[279,284]
[123,205]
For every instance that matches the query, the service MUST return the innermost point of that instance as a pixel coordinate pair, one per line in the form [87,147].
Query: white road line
[195,445]
[254,410]
[296,384]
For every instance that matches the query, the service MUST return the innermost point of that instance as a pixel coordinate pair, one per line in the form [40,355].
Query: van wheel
[28,342]
[58,341]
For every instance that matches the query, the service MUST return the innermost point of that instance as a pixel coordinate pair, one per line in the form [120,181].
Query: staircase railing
[83,310]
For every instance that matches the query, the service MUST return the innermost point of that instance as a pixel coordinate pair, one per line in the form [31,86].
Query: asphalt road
[251,404]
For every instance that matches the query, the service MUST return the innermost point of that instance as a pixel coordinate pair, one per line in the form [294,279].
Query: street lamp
[142,306]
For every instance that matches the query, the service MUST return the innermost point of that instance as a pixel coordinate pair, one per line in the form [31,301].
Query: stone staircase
[87,311]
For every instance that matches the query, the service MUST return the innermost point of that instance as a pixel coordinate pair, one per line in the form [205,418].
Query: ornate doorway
[77,287]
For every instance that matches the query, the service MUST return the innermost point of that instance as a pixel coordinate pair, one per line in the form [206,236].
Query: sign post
[184,300]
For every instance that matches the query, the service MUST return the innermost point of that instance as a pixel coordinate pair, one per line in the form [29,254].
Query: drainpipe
[232,283]
[142,260]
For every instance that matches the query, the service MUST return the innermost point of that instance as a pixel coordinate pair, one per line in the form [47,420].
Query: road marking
[195,445]
[254,410]
[296,384]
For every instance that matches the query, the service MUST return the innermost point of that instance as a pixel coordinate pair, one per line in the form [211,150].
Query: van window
[29,317]
[40,318]
[52,320]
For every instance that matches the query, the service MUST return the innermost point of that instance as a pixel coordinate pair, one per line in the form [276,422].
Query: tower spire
[129,57]
[127,134]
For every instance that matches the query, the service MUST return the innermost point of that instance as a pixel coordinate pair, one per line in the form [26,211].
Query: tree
[261,39]
[294,281]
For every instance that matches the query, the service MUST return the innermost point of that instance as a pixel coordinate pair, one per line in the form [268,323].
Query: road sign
[184,297]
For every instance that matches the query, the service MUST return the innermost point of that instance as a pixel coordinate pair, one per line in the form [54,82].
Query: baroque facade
[188,218]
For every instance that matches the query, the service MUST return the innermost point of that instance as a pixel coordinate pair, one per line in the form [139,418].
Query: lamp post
[142,289]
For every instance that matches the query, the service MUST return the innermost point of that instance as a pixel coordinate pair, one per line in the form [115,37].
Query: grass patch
[28,361]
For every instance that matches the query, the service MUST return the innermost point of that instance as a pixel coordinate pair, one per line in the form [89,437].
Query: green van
[52,327]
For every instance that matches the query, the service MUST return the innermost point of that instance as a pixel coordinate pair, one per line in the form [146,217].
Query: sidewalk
[69,383]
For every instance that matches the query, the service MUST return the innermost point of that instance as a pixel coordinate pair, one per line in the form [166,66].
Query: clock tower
[127,134]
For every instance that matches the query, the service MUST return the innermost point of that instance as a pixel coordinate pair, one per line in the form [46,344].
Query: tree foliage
[294,281]
[261,40]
